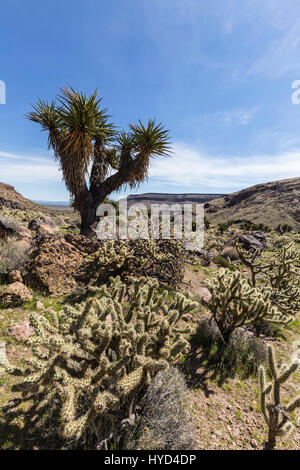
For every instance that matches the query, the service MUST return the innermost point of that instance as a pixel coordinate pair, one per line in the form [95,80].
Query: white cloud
[16,169]
[188,166]
[192,167]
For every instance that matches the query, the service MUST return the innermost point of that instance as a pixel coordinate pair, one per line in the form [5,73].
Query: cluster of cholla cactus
[160,259]
[277,416]
[93,361]
[235,303]
[281,275]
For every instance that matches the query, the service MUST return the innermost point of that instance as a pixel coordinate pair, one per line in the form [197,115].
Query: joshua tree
[95,159]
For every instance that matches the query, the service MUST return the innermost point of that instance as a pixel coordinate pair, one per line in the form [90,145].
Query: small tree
[88,147]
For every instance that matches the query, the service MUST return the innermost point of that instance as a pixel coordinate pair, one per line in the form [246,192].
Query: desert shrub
[270,330]
[93,362]
[242,355]
[13,255]
[166,422]
[250,226]
[283,228]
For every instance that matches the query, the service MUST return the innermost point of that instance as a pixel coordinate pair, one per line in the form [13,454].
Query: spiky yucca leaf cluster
[94,361]
[276,415]
[235,303]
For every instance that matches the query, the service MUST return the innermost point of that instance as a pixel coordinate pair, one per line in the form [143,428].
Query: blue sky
[218,74]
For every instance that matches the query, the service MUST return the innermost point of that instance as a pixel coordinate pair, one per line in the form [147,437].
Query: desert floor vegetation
[156,340]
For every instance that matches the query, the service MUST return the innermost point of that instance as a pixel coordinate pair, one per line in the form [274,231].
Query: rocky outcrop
[53,264]
[43,226]
[19,233]
[15,295]
[21,331]
[83,244]
[11,199]
[15,276]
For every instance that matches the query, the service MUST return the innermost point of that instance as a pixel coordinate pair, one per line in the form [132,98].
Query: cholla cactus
[252,259]
[276,415]
[161,259]
[283,276]
[92,363]
[235,303]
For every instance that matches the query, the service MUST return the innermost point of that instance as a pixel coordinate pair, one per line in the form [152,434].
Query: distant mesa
[164,198]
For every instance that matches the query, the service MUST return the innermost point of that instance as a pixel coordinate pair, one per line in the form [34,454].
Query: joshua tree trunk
[88,215]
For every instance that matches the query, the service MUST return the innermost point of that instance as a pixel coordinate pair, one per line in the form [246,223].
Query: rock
[21,331]
[83,244]
[15,276]
[205,257]
[53,265]
[15,295]
[250,243]
[260,236]
[41,227]
[47,220]
[205,294]
[230,252]
[40,306]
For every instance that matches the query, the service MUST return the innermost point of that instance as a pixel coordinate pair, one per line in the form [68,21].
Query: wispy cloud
[232,117]
[188,167]
[16,169]
[192,167]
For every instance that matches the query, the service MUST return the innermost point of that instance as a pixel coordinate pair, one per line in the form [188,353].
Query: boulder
[15,295]
[15,276]
[53,265]
[13,232]
[205,257]
[21,331]
[229,251]
[43,226]
[83,244]
[205,294]
[260,236]
[249,242]
[40,306]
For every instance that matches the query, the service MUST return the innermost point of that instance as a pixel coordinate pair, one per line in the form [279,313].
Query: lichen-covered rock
[15,276]
[15,295]
[84,244]
[53,264]
[21,331]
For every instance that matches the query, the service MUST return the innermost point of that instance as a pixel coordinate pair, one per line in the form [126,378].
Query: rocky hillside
[11,199]
[270,204]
